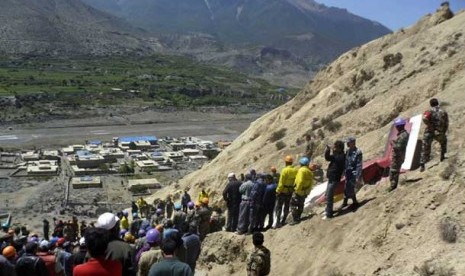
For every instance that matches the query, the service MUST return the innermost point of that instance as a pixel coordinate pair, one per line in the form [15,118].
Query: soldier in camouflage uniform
[399,146]
[259,261]
[437,123]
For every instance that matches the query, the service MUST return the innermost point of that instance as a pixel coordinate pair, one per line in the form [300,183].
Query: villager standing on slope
[437,124]
[334,173]
[232,197]
[353,171]
[303,186]
[284,190]
[398,152]
[244,210]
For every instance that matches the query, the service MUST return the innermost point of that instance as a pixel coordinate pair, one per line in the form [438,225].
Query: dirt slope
[360,94]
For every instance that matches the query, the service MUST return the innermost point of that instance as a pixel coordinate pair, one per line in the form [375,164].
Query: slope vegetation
[63,27]
[406,232]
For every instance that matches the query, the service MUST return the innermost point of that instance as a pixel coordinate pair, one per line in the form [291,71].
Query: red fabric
[99,267]
[49,260]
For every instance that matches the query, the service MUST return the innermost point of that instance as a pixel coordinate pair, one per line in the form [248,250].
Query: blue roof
[95,142]
[86,178]
[83,153]
[138,138]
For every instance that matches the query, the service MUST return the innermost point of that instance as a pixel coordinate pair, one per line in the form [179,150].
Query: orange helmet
[9,252]
[159,227]
[205,200]
[288,159]
[128,237]
[313,167]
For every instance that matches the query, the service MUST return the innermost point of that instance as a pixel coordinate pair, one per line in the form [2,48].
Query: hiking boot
[422,167]
[355,205]
[278,225]
[326,217]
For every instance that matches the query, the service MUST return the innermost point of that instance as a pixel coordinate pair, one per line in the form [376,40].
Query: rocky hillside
[262,37]
[64,27]
[407,232]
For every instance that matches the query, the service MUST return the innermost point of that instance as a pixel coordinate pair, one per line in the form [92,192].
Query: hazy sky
[394,14]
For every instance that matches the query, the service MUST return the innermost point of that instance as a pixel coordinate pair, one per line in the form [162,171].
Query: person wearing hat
[29,264]
[334,173]
[284,191]
[6,268]
[9,252]
[203,217]
[170,264]
[232,197]
[117,249]
[152,255]
[97,242]
[202,194]
[274,174]
[244,208]
[124,223]
[353,172]
[399,146]
[47,257]
[259,260]
[303,186]
[179,216]
[63,256]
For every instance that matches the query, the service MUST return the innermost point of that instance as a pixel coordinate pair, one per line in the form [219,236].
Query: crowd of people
[164,238]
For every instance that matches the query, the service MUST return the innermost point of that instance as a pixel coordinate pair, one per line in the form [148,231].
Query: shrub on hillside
[278,135]
[449,230]
[333,126]
[390,60]
[430,269]
[280,145]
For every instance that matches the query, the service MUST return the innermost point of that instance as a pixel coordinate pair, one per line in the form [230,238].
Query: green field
[156,80]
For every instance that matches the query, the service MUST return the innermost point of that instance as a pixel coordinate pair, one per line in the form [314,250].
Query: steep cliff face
[399,233]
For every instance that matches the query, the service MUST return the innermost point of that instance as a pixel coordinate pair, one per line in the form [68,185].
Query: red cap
[61,241]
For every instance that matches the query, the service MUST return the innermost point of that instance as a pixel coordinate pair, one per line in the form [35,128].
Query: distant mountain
[240,32]
[63,27]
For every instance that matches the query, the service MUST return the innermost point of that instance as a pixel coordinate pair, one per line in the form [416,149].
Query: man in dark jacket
[232,196]
[269,199]
[30,264]
[334,173]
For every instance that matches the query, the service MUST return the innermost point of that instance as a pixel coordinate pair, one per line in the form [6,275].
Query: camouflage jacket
[399,145]
[259,262]
[436,120]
